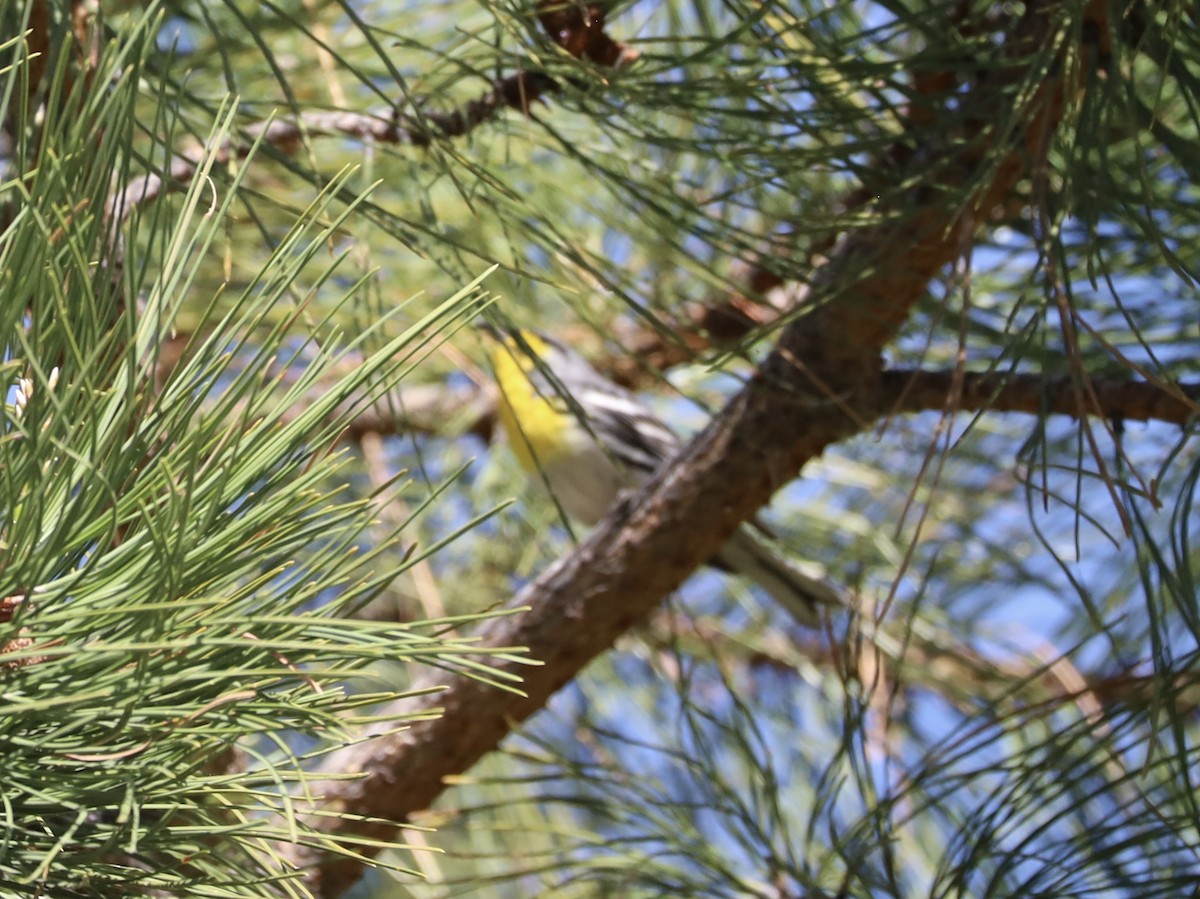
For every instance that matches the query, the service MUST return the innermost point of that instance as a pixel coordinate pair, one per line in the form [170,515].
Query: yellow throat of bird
[532,422]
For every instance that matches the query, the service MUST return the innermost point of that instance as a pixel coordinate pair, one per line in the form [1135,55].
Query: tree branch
[577,28]
[287,135]
[911,390]
[820,385]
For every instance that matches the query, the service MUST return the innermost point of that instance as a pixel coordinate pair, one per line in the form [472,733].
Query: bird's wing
[633,434]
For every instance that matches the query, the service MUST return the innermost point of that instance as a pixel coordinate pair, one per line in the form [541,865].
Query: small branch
[518,91]
[577,29]
[287,135]
[918,391]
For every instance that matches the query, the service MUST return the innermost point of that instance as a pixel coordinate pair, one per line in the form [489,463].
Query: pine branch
[578,29]
[288,135]
[1117,400]
[820,385]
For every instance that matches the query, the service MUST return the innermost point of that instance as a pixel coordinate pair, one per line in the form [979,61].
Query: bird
[587,439]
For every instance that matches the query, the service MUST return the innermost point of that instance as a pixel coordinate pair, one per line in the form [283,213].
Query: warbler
[587,439]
